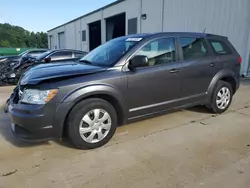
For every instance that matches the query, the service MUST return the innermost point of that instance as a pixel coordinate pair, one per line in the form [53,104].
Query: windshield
[109,53]
[43,55]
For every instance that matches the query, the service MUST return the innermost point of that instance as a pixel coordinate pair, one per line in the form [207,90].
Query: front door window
[159,51]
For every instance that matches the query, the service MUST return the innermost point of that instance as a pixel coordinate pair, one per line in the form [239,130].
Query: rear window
[220,47]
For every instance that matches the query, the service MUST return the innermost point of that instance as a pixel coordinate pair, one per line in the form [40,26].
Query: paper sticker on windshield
[133,39]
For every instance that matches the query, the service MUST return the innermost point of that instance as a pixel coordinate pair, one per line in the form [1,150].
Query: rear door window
[220,48]
[193,48]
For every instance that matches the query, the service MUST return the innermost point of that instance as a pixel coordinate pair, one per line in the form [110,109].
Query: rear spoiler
[217,36]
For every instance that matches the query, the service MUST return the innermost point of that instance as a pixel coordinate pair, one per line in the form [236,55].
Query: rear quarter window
[220,48]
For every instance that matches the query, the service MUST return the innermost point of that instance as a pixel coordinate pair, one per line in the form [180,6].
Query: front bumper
[32,122]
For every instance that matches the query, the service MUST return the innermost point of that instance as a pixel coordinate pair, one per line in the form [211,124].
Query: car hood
[57,70]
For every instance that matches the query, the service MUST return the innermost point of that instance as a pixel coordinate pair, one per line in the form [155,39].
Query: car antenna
[204,30]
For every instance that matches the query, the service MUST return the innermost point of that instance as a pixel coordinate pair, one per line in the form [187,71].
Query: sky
[43,15]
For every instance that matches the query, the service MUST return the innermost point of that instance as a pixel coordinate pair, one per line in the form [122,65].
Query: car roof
[149,35]
[62,50]
[34,50]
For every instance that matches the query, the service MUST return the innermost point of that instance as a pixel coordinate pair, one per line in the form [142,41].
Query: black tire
[212,106]
[76,115]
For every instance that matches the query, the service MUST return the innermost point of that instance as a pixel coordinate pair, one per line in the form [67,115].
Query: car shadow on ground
[65,142]
[199,109]
[8,135]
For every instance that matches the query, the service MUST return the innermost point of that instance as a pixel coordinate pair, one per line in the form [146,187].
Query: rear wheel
[221,98]
[92,123]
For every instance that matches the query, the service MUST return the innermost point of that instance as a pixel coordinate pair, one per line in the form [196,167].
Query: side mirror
[47,59]
[138,61]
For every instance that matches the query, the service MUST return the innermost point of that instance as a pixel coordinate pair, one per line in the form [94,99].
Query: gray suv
[125,79]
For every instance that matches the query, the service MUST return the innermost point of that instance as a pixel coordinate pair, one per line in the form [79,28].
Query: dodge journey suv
[123,80]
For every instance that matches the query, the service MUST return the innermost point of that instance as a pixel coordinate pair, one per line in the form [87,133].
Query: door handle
[212,65]
[173,71]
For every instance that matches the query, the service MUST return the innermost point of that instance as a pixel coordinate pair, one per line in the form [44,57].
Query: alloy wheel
[223,98]
[95,125]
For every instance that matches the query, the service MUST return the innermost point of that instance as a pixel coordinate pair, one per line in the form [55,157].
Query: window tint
[79,54]
[159,51]
[61,55]
[193,48]
[220,47]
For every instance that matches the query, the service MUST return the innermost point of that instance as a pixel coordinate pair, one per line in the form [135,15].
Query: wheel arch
[105,92]
[224,75]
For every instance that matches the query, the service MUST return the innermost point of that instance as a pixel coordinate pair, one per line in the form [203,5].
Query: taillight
[240,60]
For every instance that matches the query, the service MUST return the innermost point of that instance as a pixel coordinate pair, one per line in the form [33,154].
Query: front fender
[219,76]
[70,100]
[86,91]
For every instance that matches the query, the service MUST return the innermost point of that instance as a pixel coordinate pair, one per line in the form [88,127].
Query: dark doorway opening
[115,26]
[95,38]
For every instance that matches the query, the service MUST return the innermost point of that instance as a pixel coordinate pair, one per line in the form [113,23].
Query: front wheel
[221,98]
[92,123]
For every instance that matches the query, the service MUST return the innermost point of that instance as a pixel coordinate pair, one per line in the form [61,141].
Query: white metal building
[230,18]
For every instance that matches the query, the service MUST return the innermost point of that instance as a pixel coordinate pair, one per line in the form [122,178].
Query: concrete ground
[189,148]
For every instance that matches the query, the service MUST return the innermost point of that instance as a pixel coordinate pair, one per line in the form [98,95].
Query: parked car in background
[7,63]
[16,58]
[123,80]
[51,56]
[57,56]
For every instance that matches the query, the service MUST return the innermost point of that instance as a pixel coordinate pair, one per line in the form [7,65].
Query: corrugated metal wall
[153,11]
[230,18]
[224,17]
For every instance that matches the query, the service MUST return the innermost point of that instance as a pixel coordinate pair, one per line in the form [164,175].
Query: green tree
[4,43]
[15,36]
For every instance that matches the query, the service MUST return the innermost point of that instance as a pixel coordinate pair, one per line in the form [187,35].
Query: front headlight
[35,96]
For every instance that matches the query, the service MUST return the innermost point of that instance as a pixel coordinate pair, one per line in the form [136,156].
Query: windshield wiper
[85,61]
